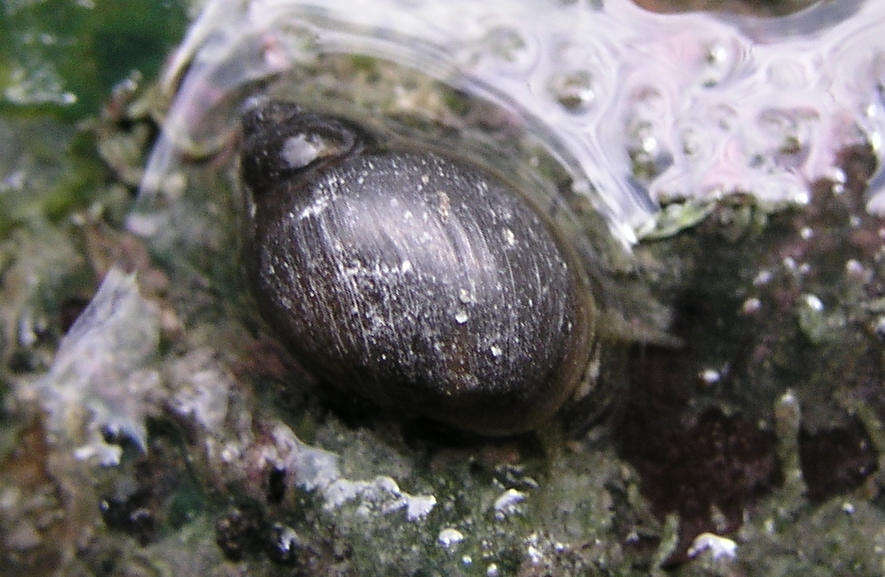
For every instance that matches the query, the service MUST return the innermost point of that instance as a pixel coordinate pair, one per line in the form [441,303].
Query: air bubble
[573,90]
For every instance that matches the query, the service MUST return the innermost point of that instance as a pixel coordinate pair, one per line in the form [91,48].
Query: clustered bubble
[643,108]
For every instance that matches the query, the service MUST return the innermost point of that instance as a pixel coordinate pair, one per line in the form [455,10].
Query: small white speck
[764,277]
[287,539]
[230,453]
[464,296]
[719,547]
[751,305]
[449,537]
[425,179]
[806,232]
[496,350]
[788,398]
[837,175]
[875,140]
[800,197]
[854,268]
[508,500]
[445,204]
[406,266]
[467,559]
[315,208]
[509,237]
[814,303]
[789,263]
[492,570]
[461,317]
[847,507]
[534,554]
[710,376]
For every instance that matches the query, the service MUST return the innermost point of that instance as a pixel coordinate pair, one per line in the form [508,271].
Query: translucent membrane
[639,107]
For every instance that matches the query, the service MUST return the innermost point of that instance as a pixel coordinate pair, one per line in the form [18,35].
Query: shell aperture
[410,279]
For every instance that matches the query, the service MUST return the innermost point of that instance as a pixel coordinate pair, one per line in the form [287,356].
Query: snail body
[412,280]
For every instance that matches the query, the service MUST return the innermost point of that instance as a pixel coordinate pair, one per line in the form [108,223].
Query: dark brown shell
[409,279]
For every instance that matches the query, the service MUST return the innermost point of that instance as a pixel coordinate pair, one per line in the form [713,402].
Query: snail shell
[412,280]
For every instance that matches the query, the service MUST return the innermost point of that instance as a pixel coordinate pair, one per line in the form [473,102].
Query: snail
[414,280]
